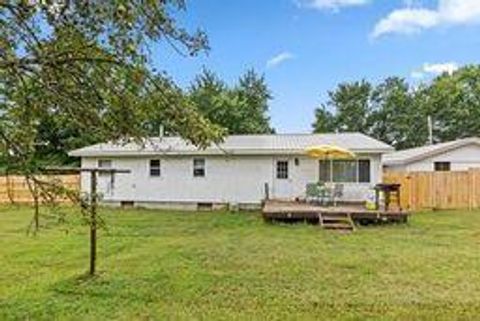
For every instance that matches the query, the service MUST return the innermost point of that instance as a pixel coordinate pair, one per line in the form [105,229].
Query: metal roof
[414,154]
[238,145]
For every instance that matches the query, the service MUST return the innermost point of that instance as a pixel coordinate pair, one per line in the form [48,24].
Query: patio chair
[313,193]
[325,194]
[337,193]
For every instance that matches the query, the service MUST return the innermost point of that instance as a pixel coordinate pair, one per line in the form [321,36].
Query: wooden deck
[300,211]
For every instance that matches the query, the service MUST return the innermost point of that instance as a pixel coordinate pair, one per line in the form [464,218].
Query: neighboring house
[457,155]
[169,172]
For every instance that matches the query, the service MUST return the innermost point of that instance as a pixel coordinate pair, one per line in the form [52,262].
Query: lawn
[220,266]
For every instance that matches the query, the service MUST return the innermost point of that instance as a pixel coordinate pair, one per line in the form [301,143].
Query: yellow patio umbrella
[329,152]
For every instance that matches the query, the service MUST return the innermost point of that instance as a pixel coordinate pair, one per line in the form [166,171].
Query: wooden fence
[15,189]
[437,190]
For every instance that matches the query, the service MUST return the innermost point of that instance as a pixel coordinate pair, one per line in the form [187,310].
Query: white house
[457,155]
[169,172]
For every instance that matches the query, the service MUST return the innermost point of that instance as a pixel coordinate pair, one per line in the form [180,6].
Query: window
[364,171]
[104,163]
[282,169]
[344,171]
[199,167]
[442,166]
[204,206]
[325,171]
[155,168]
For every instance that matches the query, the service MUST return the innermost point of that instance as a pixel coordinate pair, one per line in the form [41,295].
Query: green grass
[221,266]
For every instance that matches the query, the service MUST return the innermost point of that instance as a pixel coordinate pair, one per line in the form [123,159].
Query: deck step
[335,218]
[338,226]
[336,221]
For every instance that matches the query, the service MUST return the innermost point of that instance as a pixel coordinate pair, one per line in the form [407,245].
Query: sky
[305,48]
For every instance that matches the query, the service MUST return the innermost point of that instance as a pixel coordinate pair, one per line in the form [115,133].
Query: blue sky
[306,47]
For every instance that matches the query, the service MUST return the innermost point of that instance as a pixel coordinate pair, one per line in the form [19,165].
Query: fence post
[470,189]
[473,188]
[410,193]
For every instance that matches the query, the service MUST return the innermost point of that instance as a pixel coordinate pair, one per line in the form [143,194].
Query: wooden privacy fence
[437,190]
[15,189]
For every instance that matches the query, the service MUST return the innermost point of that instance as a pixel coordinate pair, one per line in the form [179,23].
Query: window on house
[442,166]
[155,168]
[344,171]
[199,167]
[325,171]
[104,163]
[364,171]
[282,169]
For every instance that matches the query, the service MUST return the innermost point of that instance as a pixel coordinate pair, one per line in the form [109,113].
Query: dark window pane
[282,169]
[364,171]
[344,171]
[324,171]
[198,167]
[442,166]
[155,167]
[104,163]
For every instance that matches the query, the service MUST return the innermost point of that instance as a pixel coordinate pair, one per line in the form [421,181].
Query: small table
[388,190]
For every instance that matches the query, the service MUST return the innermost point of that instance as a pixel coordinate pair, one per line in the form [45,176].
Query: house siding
[228,179]
[462,158]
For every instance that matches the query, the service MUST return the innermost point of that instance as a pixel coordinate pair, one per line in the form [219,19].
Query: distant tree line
[396,112]
[238,109]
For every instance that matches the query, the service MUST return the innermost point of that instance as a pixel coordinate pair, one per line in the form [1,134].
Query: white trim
[249,152]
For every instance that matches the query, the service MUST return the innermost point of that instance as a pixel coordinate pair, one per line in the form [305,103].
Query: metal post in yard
[93,221]
[35,203]
[93,202]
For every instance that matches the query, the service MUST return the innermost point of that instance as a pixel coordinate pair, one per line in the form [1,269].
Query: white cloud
[415,19]
[417,74]
[434,69]
[406,21]
[331,4]
[278,59]
[448,67]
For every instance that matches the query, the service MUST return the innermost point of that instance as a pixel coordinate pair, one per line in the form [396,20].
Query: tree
[324,121]
[394,114]
[85,65]
[389,111]
[397,114]
[351,101]
[453,102]
[254,94]
[240,110]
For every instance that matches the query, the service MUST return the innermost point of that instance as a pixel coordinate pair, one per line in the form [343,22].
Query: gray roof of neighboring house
[238,145]
[414,154]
